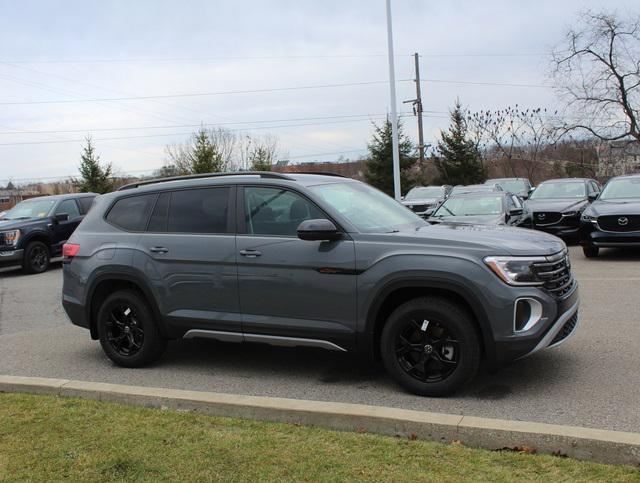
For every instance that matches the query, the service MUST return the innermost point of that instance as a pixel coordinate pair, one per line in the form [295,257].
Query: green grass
[46,438]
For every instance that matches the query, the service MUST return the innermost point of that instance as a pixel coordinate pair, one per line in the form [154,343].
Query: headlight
[515,270]
[11,237]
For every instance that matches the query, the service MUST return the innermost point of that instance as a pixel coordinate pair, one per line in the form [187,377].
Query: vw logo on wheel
[623,221]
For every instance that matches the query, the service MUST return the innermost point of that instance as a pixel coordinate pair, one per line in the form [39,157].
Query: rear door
[189,252]
[291,287]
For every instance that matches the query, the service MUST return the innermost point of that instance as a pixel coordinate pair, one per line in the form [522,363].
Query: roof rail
[262,174]
[319,173]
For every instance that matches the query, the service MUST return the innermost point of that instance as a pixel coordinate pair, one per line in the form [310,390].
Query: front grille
[619,223]
[566,329]
[419,208]
[546,217]
[556,273]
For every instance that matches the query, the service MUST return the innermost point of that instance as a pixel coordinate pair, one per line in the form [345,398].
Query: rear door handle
[250,253]
[158,249]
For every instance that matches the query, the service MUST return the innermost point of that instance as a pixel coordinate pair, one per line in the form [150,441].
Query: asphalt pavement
[593,380]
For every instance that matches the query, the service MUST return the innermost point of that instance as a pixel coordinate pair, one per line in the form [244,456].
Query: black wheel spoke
[125,334]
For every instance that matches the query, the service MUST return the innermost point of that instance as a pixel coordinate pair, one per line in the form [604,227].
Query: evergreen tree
[204,155]
[459,161]
[260,159]
[94,177]
[380,161]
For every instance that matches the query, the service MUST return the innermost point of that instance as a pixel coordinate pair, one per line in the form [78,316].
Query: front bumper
[567,227]
[592,235]
[11,257]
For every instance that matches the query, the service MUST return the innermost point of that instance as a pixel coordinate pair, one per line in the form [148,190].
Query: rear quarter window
[132,213]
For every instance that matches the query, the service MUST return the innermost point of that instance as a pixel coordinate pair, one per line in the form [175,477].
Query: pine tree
[380,161]
[94,177]
[204,156]
[260,159]
[459,161]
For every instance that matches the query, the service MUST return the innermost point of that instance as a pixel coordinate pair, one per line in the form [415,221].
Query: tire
[127,331]
[444,357]
[37,258]
[590,252]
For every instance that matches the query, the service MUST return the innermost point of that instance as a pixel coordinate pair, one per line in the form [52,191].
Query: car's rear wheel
[36,258]
[127,331]
[430,346]
[590,252]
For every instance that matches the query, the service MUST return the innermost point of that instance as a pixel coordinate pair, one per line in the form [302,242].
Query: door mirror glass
[515,211]
[318,230]
[593,196]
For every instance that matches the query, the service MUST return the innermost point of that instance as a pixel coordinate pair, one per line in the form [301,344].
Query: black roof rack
[319,173]
[262,174]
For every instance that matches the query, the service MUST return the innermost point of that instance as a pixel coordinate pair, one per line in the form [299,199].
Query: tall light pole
[394,113]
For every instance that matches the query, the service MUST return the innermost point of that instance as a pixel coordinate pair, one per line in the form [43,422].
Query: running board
[265,339]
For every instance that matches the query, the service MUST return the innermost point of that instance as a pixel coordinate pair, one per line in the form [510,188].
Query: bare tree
[597,72]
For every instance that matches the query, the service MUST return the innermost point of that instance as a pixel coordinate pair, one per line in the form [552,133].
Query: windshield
[368,209]
[513,185]
[621,188]
[472,188]
[469,206]
[29,209]
[427,192]
[559,190]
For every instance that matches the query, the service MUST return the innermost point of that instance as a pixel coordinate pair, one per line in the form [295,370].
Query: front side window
[368,209]
[276,211]
[560,190]
[131,213]
[70,207]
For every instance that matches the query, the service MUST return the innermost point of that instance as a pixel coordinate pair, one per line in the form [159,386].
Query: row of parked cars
[575,209]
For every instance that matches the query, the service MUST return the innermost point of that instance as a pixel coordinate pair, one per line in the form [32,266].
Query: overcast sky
[90,50]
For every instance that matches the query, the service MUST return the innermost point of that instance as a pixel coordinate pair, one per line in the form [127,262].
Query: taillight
[70,250]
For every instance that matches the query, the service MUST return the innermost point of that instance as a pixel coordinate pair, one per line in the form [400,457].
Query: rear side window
[85,204]
[132,213]
[203,210]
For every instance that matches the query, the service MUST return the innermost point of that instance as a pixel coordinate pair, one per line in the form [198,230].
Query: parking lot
[593,380]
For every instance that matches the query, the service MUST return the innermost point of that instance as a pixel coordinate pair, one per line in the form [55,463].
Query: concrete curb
[581,443]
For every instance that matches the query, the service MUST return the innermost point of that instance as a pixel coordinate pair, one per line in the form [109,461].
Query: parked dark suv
[613,220]
[556,205]
[313,260]
[34,231]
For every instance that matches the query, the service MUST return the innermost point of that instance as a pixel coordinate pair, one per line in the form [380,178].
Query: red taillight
[70,250]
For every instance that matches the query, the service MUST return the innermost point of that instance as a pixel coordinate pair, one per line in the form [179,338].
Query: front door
[188,251]
[291,287]
[63,229]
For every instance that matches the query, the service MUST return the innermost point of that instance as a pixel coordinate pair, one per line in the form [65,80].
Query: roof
[63,197]
[632,175]
[567,180]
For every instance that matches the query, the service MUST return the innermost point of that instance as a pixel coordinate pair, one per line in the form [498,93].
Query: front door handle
[250,253]
[159,250]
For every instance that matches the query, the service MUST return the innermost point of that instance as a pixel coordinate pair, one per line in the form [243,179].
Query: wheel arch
[399,291]
[103,285]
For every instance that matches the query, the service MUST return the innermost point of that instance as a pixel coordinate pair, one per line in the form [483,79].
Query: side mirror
[402,198]
[593,196]
[515,212]
[318,230]
[61,217]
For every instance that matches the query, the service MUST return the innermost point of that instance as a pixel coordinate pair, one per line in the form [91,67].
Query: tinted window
[199,211]
[132,213]
[70,207]
[85,203]
[158,221]
[275,211]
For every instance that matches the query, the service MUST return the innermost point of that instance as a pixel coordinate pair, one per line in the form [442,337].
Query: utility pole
[417,109]
[394,114]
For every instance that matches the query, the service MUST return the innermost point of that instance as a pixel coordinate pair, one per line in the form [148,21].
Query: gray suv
[313,260]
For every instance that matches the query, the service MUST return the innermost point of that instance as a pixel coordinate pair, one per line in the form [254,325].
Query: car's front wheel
[127,331]
[36,258]
[590,252]
[430,346]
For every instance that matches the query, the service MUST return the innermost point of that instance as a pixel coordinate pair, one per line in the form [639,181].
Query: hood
[559,205]
[629,206]
[471,220]
[420,201]
[479,240]
[15,224]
